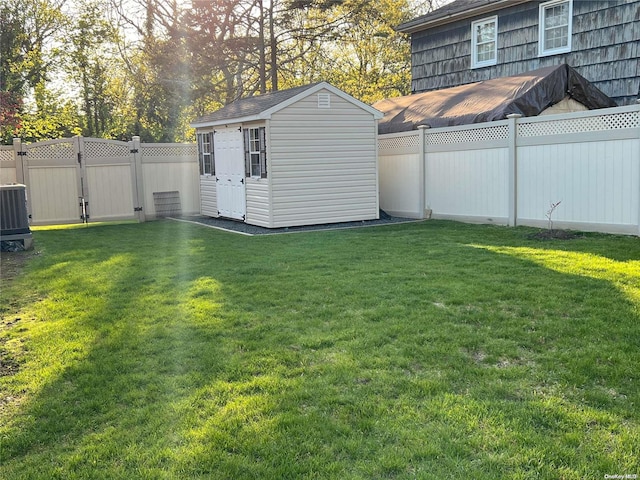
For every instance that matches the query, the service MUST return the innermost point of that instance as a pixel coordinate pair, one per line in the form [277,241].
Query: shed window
[205,153]
[484,42]
[255,152]
[555,27]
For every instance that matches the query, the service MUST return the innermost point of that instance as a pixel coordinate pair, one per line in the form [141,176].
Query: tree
[157,66]
[26,29]
[372,59]
[165,61]
[10,106]
[52,118]
[11,35]
[88,60]
[34,29]
[226,49]
[11,84]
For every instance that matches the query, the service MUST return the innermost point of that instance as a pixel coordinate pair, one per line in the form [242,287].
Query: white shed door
[228,149]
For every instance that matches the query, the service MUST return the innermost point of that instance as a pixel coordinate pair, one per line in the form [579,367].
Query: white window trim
[474,50]
[201,153]
[541,17]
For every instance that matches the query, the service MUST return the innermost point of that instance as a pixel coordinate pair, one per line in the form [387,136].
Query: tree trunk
[262,47]
[274,50]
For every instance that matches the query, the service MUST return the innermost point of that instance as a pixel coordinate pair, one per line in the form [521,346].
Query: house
[548,90]
[468,41]
[302,156]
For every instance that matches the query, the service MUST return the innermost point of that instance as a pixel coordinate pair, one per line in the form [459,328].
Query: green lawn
[432,350]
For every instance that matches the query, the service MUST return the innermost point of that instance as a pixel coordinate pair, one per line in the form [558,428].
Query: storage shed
[302,156]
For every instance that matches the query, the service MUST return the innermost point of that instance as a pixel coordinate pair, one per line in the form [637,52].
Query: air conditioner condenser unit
[15,233]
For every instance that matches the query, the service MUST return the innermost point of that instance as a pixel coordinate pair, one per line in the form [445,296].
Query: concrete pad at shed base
[16,243]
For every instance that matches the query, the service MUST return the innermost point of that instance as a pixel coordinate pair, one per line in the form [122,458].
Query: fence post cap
[514,115]
[424,126]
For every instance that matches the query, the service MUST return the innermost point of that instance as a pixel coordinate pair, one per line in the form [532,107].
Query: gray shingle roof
[457,7]
[250,106]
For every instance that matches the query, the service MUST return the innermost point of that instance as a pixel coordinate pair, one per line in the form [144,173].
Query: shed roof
[456,10]
[527,94]
[262,106]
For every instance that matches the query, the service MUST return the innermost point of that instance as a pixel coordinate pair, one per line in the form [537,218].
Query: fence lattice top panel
[169,151]
[598,123]
[394,143]
[6,154]
[106,149]
[62,150]
[472,135]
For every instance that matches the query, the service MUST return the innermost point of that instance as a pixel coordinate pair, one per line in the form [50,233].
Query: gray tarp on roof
[527,94]
[249,106]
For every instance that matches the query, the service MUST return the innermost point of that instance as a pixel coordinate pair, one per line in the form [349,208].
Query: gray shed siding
[605,48]
[208,202]
[257,193]
[323,163]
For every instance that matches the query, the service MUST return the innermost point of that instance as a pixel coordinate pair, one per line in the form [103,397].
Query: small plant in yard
[550,233]
[549,214]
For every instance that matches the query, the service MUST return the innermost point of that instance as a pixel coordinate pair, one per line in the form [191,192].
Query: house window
[205,153]
[255,152]
[484,42]
[555,27]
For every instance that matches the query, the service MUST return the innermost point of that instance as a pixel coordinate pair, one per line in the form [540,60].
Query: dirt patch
[12,264]
[555,235]
[8,364]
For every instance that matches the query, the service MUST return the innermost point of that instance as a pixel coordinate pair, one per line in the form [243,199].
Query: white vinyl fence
[7,165]
[76,179]
[509,172]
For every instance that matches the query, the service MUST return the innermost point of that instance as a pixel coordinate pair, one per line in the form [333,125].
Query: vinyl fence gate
[79,179]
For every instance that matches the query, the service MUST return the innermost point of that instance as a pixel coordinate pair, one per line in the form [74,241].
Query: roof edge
[226,121]
[266,114]
[317,87]
[422,23]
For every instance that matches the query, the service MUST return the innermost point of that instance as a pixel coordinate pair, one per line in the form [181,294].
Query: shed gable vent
[324,100]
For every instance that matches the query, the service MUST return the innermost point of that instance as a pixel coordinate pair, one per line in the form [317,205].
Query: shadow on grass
[170,351]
